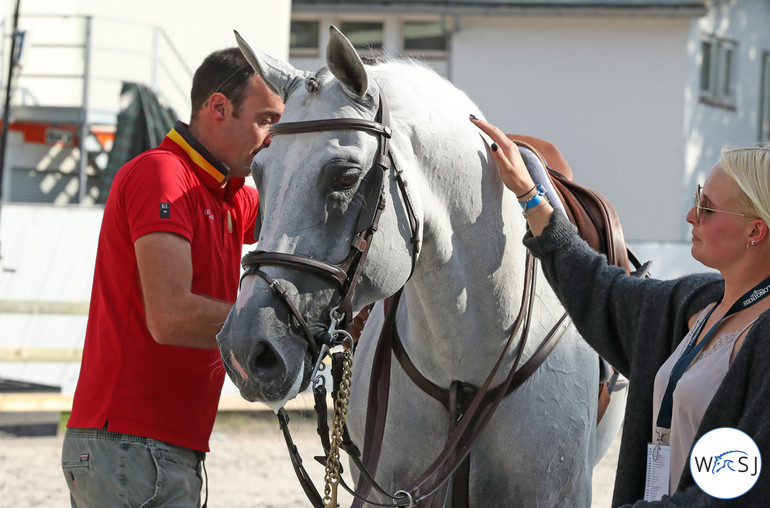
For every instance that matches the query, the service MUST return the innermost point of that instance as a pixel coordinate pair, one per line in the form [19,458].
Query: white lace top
[692,394]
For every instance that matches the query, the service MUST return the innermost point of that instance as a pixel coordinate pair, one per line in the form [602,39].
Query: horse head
[319,192]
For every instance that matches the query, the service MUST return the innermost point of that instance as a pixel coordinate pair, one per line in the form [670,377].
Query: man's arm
[175,316]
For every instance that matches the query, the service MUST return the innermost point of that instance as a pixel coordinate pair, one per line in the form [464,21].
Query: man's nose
[268,140]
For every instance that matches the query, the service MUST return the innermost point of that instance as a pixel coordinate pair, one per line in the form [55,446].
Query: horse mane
[377,66]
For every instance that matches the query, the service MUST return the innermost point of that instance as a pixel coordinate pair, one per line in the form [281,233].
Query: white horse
[460,299]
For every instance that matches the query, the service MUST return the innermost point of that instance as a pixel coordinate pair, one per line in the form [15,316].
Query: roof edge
[692,9]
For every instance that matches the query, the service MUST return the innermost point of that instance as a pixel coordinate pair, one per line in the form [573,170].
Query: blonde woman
[696,350]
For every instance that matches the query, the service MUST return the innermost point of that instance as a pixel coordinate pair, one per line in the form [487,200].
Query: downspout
[6,111]
[449,29]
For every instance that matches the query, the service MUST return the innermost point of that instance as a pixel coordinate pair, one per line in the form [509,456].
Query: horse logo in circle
[721,462]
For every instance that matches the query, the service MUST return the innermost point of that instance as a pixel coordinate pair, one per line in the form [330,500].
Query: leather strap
[330,124]
[470,425]
[377,402]
[296,461]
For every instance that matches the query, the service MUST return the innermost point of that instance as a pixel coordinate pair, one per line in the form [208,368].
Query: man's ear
[218,106]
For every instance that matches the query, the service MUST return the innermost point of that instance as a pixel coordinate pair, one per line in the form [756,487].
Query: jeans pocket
[178,483]
[77,468]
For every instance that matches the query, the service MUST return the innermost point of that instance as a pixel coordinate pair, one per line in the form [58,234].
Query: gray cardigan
[636,324]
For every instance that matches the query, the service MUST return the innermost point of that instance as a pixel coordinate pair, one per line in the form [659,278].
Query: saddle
[596,219]
[597,223]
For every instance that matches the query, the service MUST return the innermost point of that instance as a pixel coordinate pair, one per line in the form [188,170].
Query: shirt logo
[209,214]
[165,210]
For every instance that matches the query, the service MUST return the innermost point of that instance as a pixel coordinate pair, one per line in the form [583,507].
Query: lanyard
[753,296]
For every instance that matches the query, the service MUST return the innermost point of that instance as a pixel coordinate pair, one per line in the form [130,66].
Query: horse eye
[345,181]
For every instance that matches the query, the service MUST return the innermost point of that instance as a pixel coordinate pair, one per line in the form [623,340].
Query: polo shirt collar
[210,170]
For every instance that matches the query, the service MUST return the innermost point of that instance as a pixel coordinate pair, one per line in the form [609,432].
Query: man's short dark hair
[225,71]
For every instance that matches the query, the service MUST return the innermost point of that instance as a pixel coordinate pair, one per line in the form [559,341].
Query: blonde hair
[749,167]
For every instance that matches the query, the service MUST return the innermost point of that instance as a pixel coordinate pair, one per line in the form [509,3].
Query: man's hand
[358,322]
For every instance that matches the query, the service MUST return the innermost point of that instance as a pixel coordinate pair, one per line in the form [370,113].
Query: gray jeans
[107,469]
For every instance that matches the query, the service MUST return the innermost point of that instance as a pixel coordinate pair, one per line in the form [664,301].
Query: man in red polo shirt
[166,276]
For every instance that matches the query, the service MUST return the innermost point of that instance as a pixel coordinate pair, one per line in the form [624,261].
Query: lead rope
[332,469]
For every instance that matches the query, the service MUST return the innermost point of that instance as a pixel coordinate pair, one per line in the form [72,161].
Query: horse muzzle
[265,369]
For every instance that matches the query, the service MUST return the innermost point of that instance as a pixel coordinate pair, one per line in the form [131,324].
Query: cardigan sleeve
[609,307]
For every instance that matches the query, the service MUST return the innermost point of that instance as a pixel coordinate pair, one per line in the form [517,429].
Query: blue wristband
[534,200]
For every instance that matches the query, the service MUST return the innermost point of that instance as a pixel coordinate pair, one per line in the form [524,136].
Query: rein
[466,423]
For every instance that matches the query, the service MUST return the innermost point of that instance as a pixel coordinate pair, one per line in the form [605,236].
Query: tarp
[143,122]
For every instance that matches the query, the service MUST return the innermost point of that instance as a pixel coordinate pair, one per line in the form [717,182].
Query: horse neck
[466,290]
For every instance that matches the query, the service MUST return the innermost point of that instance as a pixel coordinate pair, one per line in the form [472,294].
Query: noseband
[343,275]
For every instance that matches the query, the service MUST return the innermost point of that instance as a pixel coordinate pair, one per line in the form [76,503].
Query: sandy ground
[248,466]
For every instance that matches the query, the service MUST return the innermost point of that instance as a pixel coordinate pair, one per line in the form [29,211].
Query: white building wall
[607,91]
[710,128]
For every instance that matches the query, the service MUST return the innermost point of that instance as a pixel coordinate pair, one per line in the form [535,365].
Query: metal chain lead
[332,470]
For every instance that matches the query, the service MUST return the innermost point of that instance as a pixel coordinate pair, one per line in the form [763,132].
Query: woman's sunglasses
[699,207]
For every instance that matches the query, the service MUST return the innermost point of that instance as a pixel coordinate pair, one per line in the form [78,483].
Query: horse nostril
[264,360]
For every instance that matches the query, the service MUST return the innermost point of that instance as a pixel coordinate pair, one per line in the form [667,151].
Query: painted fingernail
[494,147]
[474,117]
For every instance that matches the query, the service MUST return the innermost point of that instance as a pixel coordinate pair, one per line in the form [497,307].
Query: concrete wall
[609,92]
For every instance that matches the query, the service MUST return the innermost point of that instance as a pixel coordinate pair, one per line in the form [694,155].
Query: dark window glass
[705,69]
[363,35]
[304,35]
[424,36]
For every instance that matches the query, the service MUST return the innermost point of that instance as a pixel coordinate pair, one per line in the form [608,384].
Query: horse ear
[345,64]
[279,76]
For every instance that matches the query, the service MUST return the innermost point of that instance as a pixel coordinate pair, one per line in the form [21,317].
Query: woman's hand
[516,177]
[505,152]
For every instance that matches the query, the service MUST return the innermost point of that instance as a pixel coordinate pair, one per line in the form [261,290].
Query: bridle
[343,275]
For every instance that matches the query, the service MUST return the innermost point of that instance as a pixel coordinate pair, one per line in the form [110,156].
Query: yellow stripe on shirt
[195,156]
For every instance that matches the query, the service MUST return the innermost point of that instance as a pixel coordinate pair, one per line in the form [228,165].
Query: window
[716,72]
[304,38]
[424,37]
[764,101]
[364,35]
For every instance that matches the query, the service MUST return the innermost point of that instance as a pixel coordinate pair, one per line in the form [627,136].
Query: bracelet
[540,206]
[530,190]
[534,200]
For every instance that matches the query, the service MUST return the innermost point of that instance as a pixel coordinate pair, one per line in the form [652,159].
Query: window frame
[721,68]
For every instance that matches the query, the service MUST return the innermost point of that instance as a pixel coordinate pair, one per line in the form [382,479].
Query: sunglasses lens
[697,207]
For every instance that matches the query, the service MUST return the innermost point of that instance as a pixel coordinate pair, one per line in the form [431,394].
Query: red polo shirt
[127,380]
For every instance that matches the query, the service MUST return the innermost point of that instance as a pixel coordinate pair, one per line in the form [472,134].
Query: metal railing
[72,68]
